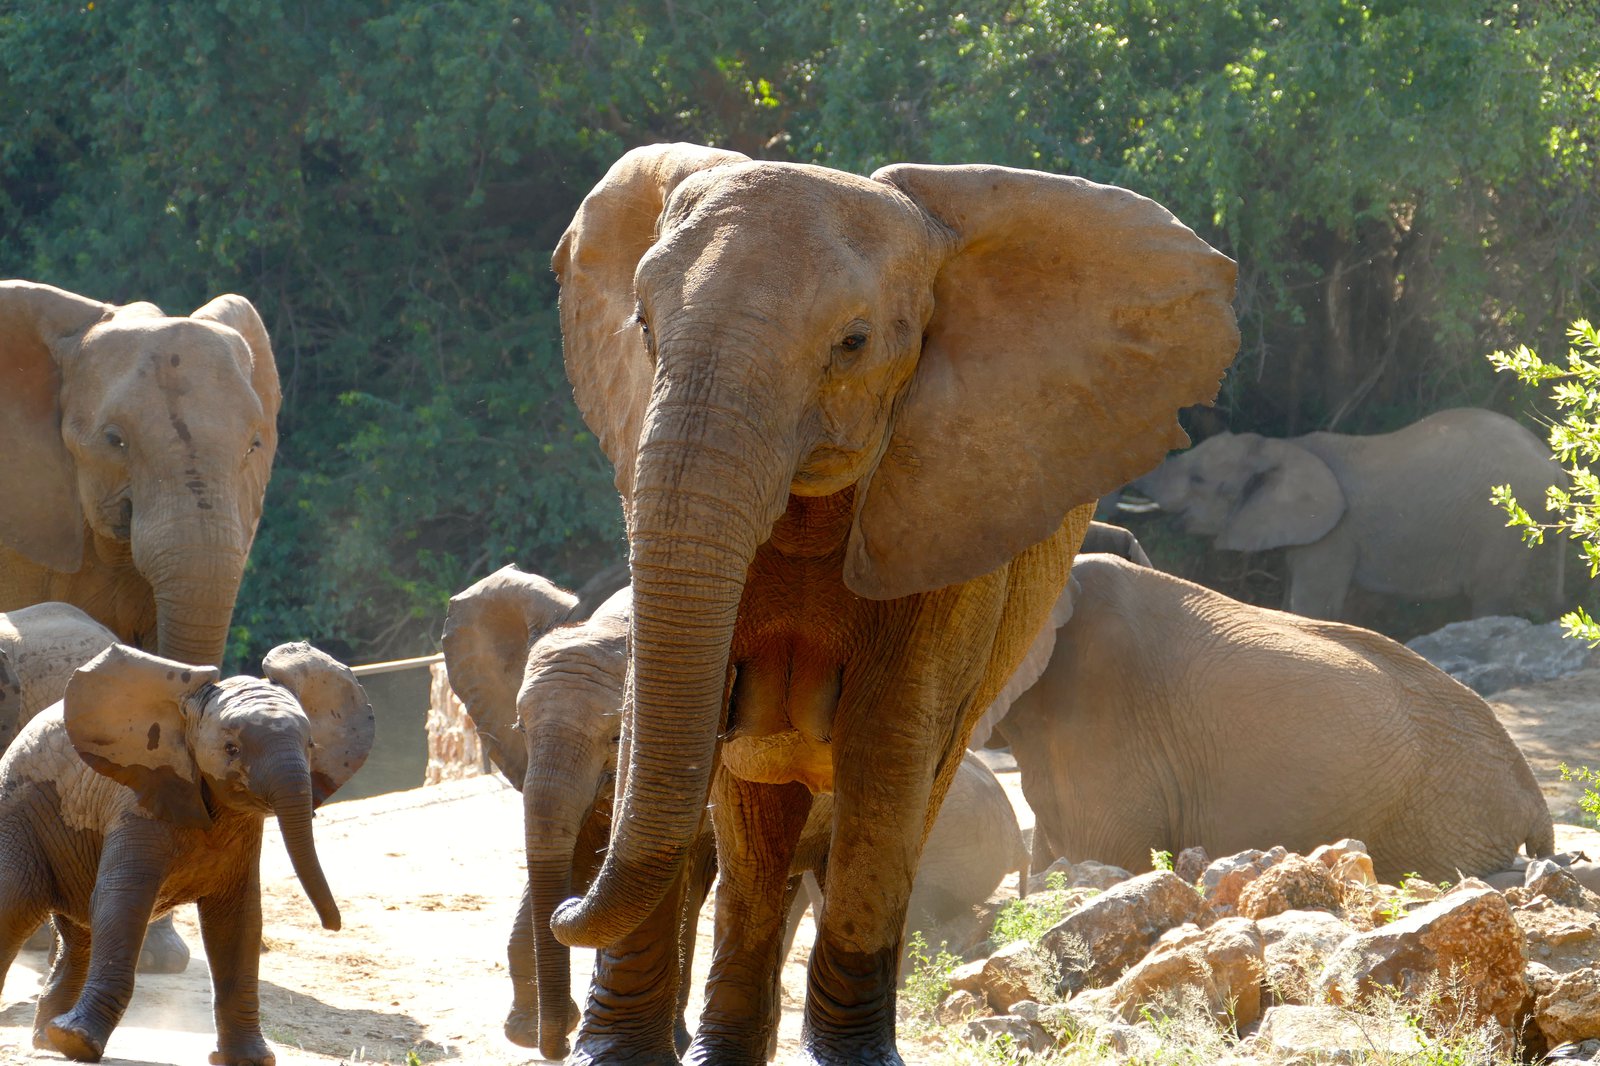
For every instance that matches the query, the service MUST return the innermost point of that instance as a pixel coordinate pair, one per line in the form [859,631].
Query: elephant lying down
[1171,716]
[545,695]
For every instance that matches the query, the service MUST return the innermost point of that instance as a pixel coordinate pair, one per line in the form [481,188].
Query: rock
[1091,875]
[1561,921]
[958,1006]
[1017,972]
[1025,1035]
[1464,952]
[1296,883]
[1295,945]
[1354,869]
[1226,877]
[1330,854]
[1191,864]
[1224,962]
[1495,653]
[1112,931]
[1325,1034]
[1138,1043]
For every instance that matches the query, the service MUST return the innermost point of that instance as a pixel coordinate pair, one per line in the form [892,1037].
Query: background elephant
[145,787]
[136,449]
[1404,513]
[858,425]
[1172,716]
[545,692]
[40,647]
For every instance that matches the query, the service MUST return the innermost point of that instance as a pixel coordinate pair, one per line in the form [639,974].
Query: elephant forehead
[251,704]
[185,351]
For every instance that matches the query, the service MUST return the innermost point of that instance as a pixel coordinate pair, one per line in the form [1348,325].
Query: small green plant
[1589,802]
[1414,888]
[1030,918]
[929,980]
[1575,443]
[1160,860]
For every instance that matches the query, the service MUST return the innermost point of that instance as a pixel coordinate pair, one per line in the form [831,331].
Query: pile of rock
[1292,952]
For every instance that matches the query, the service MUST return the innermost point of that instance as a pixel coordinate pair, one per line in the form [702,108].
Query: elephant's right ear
[1292,497]
[40,516]
[1107,539]
[1032,666]
[342,723]
[126,713]
[487,631]
[594,263]
[240,315]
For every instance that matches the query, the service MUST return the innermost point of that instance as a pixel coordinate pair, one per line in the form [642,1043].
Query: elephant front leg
[522,1020]
[633,995]
[69,967]
[133,863]
[230,926]
[757,828]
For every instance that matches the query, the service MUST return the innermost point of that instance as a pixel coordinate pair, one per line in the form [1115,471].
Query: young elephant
[146,787]
[522,667]
[1171,716]
[40,647]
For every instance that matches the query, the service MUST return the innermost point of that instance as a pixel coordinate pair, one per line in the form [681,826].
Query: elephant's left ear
[126,713]
[342,723]
[1071,321]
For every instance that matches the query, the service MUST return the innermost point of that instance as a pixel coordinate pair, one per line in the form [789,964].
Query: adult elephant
[1171,716]
[858,426]
[545,693]
[1404,513]
[136,454]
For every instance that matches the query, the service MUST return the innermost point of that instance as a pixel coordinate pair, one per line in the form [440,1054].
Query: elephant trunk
[710,483]
[194,567]
[565,772]
[286,786]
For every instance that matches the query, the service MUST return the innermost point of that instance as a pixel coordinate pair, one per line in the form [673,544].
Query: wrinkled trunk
[285,783]
[194,567]
[709,488]
[564,774]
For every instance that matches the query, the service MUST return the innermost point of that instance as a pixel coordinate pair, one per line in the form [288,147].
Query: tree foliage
[1405,185]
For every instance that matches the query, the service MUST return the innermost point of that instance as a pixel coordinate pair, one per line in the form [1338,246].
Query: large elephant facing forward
[858,425]
[1171,716]
[1404,513]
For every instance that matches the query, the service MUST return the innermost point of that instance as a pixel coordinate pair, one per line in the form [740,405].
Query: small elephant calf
[146,787]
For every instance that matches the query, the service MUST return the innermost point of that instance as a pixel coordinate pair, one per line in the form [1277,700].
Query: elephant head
[1249,492]
[960,354]
[513,662]
[153,435]
[190,746]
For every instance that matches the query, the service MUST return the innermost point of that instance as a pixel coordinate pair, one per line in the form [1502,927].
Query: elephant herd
[858,426]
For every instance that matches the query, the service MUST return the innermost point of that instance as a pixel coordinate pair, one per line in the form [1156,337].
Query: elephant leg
[1320,576]
[702,872]
[133,863]
[522,1021]
[1042,853]
[758,827]
[69,967]
[19,917]
[230,927]
[796,899]
[633,996]
[164,950]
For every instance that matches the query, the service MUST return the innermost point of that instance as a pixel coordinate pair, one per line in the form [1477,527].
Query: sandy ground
[428,881]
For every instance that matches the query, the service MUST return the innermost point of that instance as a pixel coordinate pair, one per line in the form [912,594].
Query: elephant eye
[115,439]
[853,342]
[231,749]
[255,445]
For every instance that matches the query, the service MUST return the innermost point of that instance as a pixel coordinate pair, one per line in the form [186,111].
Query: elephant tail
[1024,866]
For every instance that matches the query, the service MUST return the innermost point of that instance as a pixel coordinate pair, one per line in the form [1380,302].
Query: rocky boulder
[1462,956]
[1112,931]
[1225,878]
[1324,1034]
[1224,963]
[1497,652]
[1295,943]
[1561,920]
[1297,883]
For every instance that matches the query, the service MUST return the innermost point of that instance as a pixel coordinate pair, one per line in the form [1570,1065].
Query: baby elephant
[146,787]
[1171,716]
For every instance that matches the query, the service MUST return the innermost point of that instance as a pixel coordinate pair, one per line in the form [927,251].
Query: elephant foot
[816,1052]
[164,951]
[247,1052]
[74,1040]
[593,1052]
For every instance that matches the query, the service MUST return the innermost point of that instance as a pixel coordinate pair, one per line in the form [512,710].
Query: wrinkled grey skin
[524,670]
[1402,514]
[1172,716]
[146,786]
[40,647]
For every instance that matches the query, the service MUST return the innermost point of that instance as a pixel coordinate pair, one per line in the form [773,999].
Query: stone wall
[454,751]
